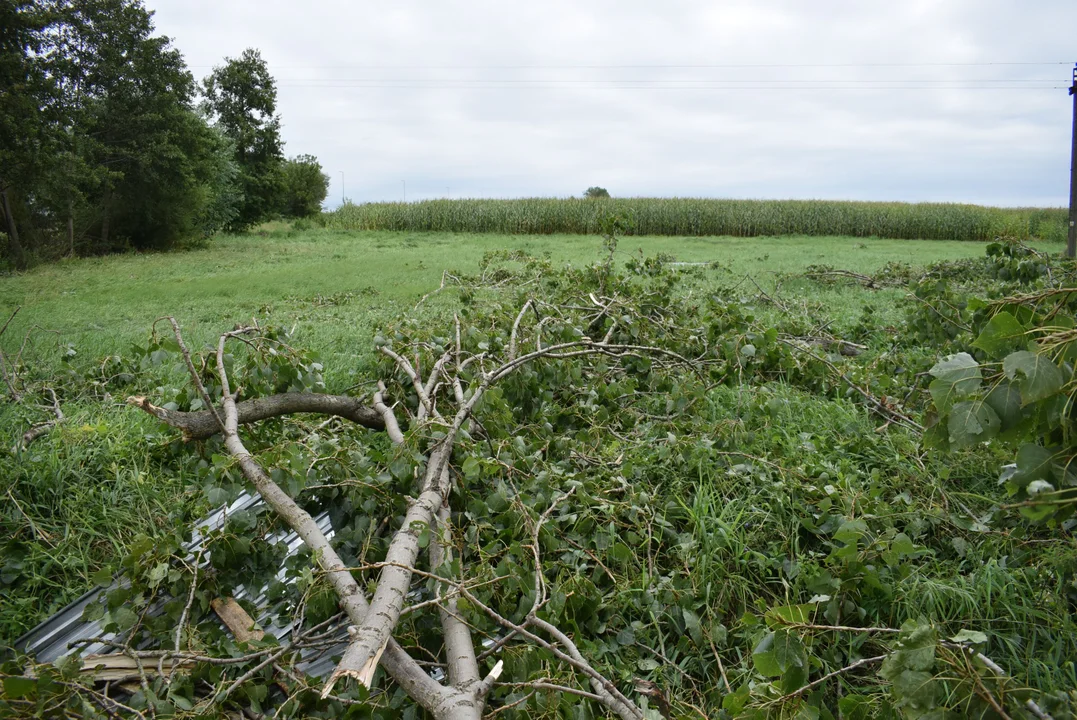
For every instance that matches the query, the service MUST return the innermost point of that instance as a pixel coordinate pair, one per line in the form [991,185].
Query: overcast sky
[916,100]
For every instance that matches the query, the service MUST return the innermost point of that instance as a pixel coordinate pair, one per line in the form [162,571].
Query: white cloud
[510,99]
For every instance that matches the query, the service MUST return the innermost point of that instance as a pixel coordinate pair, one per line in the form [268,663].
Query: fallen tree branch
[9,379]
[46,427]
[866,281]
[834,673]
[892,414]
[202,424]
[401,666]
[608,693]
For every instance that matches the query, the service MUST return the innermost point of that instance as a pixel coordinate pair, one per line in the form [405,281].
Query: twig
[823,679]
[43,428]
[186,611]
[194,373]
[881,408]
[9,379]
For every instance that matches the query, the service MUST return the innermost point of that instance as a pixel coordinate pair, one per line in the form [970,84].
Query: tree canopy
[105,148]
[241,97]
[305,187]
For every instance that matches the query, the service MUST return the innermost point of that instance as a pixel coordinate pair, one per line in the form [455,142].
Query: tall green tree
[141,155]
[107,150]
[22,83]
[241,97]
[305,187]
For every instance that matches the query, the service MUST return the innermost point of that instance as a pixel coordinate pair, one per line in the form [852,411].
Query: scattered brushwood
[892,275]
[19,388]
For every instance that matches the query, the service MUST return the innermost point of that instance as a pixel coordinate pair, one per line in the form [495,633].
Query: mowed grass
[81,494]
[103,304]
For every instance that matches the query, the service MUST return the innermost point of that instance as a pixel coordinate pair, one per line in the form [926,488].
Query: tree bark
[71,227]
[107,209]
[18,255]
[202,424]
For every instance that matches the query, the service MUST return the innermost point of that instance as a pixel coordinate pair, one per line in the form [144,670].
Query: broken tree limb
[459,646]
[441,701]
[236,618]
[361,657]
[388,417]
[407,673]
[203,424]
[46,427]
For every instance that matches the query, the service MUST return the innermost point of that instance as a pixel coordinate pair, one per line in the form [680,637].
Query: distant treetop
[597,192]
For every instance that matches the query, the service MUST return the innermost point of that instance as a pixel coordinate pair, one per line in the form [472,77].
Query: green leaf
[16,687]
[1002,333]
[972,422]
[790,614]
[855,707]
[915,689]
[734,702]
[1005,400]
[471,467]
[902,545]
[1033,464]
[1039,377]
[914,650]
[157,574]
[851,531]
[779,651]
[956,377]
[124,617]
[974,637]
[691,623]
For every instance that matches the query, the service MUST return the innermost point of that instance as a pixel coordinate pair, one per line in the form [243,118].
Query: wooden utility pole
[1071,240]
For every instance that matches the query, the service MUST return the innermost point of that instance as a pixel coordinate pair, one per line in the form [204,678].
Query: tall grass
[701,217]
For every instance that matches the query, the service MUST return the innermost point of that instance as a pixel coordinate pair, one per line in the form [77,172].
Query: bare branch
[426,407]
[194,373]
[835,673]
[202,424]
[10,318]
[43,428]
[459,646]
[388,417]
[610,696]
[516,327]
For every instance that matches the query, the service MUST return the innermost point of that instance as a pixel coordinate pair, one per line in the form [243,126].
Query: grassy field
[103,304]
[77,498]
[87,490]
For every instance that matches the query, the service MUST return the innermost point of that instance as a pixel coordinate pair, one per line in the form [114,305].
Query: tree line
[108,143]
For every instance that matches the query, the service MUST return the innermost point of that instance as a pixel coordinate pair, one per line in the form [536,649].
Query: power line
[762,81]
[800,88]
[662,66]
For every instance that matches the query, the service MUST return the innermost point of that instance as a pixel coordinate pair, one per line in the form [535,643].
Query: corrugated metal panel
[53,638]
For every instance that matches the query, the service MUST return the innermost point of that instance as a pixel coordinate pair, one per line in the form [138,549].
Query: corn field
[699,217]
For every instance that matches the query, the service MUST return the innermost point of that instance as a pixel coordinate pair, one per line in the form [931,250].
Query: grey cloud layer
[497,99]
